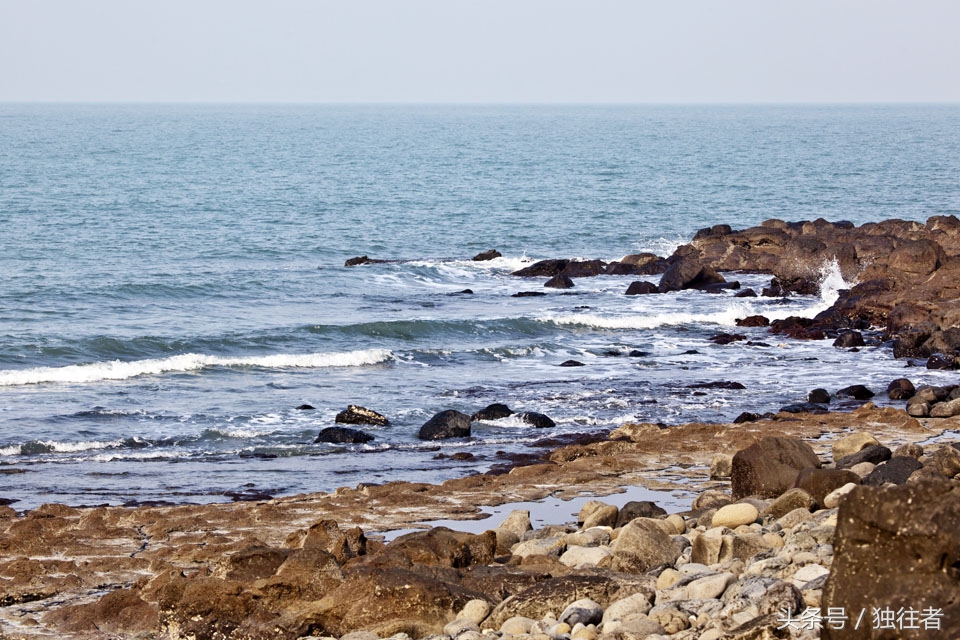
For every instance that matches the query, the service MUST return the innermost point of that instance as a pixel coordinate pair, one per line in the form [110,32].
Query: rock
[832,500]
[455,628]
[487,255]
[688,273]
[305,407]
[438,547]
[584,611]
[553,546]
[863,469]
[543,268]
[945,409]
[634,629]
[353,262]
[584,268]
[710,499]
[707,587]
[849,339]
[576,556]
[941,361]
[894,551]
[918,409]
[819,396]
[900,389]
[745,293]
[538,420]
[637,604]
[770,466]
[857,391]
[809,573]
[746,416]
[641,546]
[909,450]
[793,499]
[727,338]
[753,321]
[475,611]
[572,363]
[554,594]
[119,613]
[819,482]
[343,435]
[894,471]
[946,460]
[528,294]
[874,454]
[641,287]
[803,407]
[355,414]
[721,466]
[604,516]
[638,509]
[494,411]
[517,626]
[559,282]
[734,515]
[517,522]
[446,424]
[852,443]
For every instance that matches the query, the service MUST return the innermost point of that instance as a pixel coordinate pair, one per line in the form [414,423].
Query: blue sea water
[173,284]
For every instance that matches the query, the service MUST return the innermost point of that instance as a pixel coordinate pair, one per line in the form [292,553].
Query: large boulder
[543,268]
[493,411]
[770,466]
[642,545]
[446,424]
[343,435]
[439,546]
[898,549]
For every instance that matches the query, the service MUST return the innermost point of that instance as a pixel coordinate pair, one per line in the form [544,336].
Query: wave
[727,316]
[117,370]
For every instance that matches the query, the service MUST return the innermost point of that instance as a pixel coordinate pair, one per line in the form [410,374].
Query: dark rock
[803,407]
[897,549]
[727,338]
[753,321]
[446,424]
[636,353]
[487,255]
[641,287]
[622,269]
[572,363]
[849,339]
[355,414]
[746,416]
[559,282]
[639,509]
[528,294]
[909,341]
[717,384]
[941,361]
[819,396]
[874,454]
[463,456]
[583,268]
[819,482]
[464,292]
[343,435]
[946,460]
[746,293]
[680,275]
[895,471]
[438,547]
[857,391]
[305,407]
[901,389]
[715,230]
[543,268]
[353,262]
[770,466]
[492,412]
[719,287]
[947,341]
[538,420]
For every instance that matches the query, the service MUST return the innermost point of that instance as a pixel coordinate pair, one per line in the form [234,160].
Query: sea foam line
[725,317]
[117,370]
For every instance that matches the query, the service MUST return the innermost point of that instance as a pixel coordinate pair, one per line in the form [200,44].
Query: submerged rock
[343,435]
[493,411]
[487,255]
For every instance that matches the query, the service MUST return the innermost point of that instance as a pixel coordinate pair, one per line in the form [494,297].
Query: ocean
[173,283]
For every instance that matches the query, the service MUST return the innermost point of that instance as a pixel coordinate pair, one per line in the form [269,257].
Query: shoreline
[250,569]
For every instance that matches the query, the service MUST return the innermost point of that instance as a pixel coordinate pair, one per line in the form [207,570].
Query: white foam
[727,316]
[117,370]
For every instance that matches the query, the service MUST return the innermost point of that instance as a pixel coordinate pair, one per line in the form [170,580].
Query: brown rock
[898,548]
[819,482]
[770,466]
[643,545]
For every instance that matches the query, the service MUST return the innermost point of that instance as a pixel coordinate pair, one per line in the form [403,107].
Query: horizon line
[479,103]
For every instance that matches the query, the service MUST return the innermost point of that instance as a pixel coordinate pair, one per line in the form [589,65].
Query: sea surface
[172,280]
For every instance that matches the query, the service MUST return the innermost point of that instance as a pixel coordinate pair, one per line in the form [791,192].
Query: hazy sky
[480,51]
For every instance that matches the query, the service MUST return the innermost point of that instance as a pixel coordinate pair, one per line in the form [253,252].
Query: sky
[490,51]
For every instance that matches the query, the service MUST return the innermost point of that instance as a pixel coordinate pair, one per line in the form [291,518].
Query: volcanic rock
[538,420]
[559,282]
[494,411]
[487,255]
[641,287]
[446,424]
[343,435]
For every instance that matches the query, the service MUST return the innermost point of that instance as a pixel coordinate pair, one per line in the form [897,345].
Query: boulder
[874,454]
[642,545]
[898,549]
[641,287]
[538,420]
[638,509]
[487,255]
[946,409]
[355,414]
[680,275]
[941,361]
[446,424]
[820,482]
[849,339]
[734,515]
[857,391]
[793,499]
[753,321]
[559,282]
[494,411]
[770,466]
[438,547]
[901,389]
[583,268]
[343,435]
[543,268]
[893,471]
[819,396]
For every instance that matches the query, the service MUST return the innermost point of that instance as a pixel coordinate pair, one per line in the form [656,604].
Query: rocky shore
[804,524]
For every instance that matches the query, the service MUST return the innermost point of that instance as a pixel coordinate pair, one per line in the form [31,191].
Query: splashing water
[832,282]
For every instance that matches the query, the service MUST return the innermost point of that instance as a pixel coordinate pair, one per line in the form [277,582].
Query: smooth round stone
[734,515]
[807,573]
[679,524]
[667,578]
[848,445]
[585,610]
[460,625]
[637,604]
[475,611]
[832,501]
[863,469]
[517,626]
